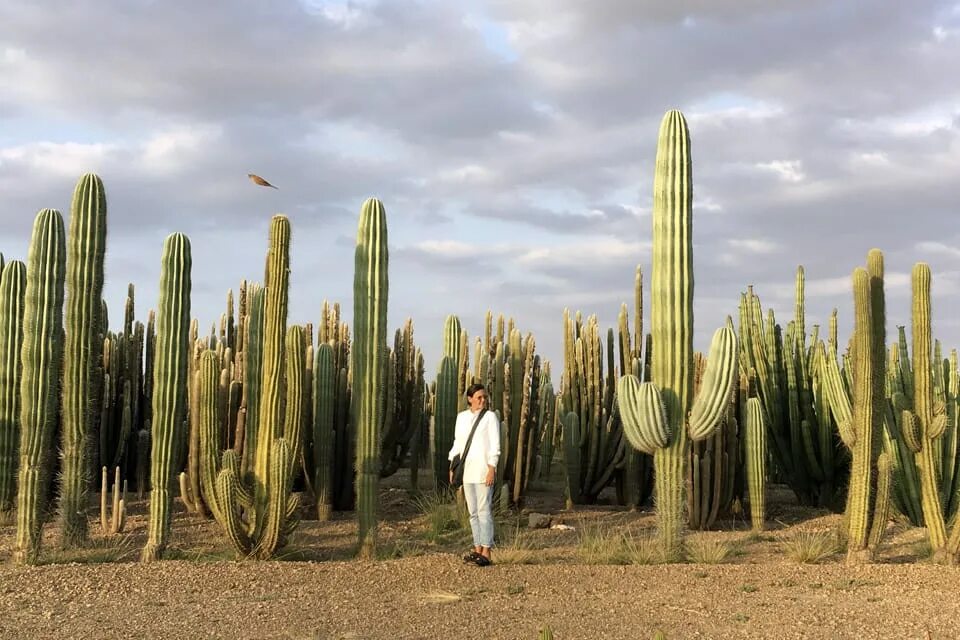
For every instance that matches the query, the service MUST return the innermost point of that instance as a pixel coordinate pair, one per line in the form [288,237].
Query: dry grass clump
[517,548]
[602,545]
[709,550]
[811,547]
[441,512]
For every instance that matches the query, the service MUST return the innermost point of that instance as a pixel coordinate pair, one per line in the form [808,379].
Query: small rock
[538,521]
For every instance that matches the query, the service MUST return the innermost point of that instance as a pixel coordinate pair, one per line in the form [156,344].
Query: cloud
[512,142]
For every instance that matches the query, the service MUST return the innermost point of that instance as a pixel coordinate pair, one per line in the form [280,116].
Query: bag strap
[466,447]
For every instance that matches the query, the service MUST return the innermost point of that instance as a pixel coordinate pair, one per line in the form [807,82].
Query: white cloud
[169,151]
[786,170]
[940,248]
[68,159]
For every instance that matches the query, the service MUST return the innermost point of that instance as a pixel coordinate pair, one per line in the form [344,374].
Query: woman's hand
[491,475]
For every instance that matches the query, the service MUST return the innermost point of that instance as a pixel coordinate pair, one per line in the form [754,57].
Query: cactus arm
[278,489]
[710,406]
[227,489]
[644,419]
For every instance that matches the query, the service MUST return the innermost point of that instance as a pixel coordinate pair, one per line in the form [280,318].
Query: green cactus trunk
[169,387]
[655,414]
[41,359]
[927,423]
[672,316]
[324,413]
[444,420]
[369,362]
[755,445]
[272,390]
[12,284]
[86,248]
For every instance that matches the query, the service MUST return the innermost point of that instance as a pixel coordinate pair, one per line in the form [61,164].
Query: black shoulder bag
[459,461]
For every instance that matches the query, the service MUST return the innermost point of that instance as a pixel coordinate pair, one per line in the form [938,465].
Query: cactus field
[279,477]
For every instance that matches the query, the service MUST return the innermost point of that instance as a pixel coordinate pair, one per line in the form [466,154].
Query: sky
[511,141]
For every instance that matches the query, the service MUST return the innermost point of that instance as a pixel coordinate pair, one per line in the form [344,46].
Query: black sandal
[482,561]
[471,557]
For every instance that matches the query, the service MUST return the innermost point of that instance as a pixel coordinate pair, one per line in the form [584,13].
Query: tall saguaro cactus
[169,386]
[13,279]
[661,416]
[369,362]
[41,358]
[86,248]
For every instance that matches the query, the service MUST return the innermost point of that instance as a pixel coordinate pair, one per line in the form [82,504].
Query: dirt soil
[421,589]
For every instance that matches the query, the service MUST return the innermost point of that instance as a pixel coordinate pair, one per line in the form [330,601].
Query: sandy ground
[423,590]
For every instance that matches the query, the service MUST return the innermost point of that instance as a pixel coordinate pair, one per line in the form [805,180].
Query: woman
[480,469]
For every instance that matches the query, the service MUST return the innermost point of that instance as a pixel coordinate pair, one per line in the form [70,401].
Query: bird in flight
[255,179]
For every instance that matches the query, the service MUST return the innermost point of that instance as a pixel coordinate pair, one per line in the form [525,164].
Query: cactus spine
[12,283]
[369,362]
[41,359]
[656,420]
[86,248]
[169,387]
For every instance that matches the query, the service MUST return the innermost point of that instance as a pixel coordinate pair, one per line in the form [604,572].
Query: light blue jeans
[479,499]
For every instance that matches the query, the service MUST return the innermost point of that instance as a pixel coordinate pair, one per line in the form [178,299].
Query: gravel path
[436,596]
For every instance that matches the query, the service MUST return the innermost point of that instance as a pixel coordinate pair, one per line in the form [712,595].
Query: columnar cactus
[402,422]
[444,419]
[867,508]
[655,414]
[324,415]
[369,362]
[256,508]
[755,445]
[12,283]
[41,358]
[169,387]
[923,427]
[86,248]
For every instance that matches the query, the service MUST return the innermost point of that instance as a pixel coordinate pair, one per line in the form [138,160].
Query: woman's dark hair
[472,389]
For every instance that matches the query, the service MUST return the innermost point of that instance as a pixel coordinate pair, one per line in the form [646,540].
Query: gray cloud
[512,142]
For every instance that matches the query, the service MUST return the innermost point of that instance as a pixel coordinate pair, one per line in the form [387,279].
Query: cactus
[169,387]
[589,393]
[86,248]
[324,413]
[41,359]
[790,382]
[13,279]
[369,362]
[402,422]
[655,413]
[865,508]
[256,507]
[923,427]
[755,443]
[444,419]
[113,517]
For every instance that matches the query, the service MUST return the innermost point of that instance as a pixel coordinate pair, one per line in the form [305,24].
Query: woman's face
[478,400]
